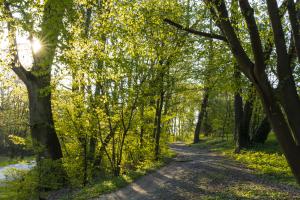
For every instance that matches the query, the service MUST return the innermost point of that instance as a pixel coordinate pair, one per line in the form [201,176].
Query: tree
[282,103]
[201,115]
[38,79]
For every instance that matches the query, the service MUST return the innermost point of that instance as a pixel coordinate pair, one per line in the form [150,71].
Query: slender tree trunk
[102,149]
[206,128]
[92,148]
[142,125]
[200,116]
[244,129]
[242,114]
[238,115]
[156,119]
[225,122]
[83,143]
[158,127]
[242,122]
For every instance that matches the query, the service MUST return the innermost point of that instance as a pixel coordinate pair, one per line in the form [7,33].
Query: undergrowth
[110,183]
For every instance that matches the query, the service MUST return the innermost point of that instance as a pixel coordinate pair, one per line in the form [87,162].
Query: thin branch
[195,32]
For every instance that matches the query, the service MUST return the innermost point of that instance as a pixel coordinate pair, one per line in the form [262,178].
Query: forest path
[201,174]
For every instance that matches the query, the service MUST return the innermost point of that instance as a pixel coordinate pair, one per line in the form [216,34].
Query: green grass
[266,159]
[105,185]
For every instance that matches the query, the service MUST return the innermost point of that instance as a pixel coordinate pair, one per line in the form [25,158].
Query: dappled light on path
[200,174]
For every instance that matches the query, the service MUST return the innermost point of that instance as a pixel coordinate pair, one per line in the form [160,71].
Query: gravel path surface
[200,174]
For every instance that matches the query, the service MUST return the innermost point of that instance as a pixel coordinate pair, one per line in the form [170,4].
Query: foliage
[31,184]
[20,185]
[109,183]
[119,85]
[14,131]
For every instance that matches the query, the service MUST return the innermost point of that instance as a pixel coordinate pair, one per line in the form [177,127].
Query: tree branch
[15,64]
[295,25]
[269,44]
[257,50]
[245,64]
[195,32]
[292,54]
[279,40]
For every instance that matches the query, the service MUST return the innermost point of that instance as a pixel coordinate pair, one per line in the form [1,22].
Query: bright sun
[36,45]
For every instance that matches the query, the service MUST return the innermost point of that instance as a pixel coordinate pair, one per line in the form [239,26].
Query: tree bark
[158,125]
[201,115]
[142,126]
[246,120]
[206,126]
[238,116]
[41,123]
[261,133]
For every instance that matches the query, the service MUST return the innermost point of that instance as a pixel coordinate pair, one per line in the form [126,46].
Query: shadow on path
[200,174]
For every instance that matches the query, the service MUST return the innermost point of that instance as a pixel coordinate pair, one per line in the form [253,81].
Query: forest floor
[198,173]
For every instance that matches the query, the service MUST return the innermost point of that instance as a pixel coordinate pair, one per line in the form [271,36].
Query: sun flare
[36,45]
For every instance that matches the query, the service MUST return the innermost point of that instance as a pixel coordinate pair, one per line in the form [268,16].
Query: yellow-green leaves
[17,140]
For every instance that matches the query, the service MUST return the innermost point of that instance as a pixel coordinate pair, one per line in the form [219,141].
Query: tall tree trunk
[158,126]
[206,127]
[238,117]
[41,123]
[103,147]
[261,133]
[245,126]
[200,116]
[142,126]
[155,119]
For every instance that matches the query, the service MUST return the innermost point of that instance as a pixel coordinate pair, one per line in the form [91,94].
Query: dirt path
[199,174]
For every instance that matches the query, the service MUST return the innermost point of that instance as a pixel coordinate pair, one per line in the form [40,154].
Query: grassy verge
[267,160]
[109,184]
